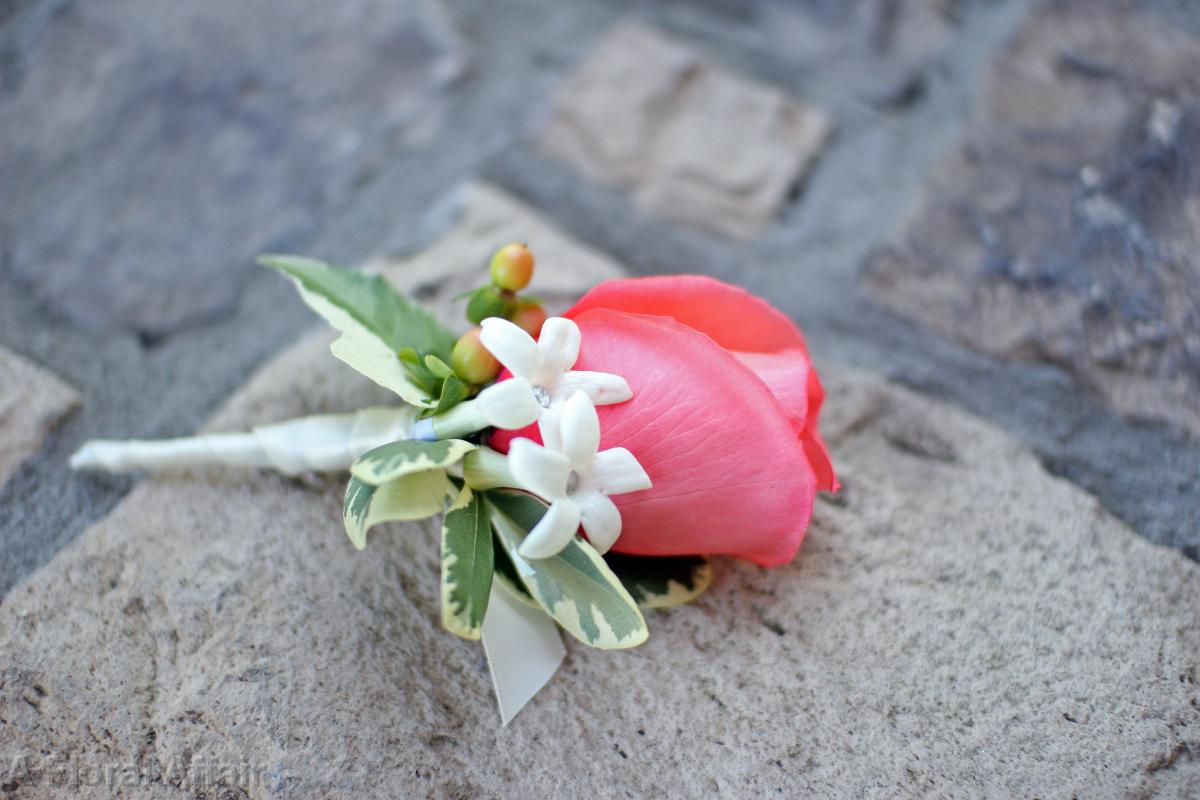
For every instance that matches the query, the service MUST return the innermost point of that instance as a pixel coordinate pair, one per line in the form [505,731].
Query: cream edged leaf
[467,564]
[575,587]
[414,496]
[662,581]
[398,459]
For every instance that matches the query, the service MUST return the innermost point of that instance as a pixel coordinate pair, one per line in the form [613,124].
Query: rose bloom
[723,416]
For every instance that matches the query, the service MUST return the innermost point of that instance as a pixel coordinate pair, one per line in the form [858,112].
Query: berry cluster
[511,270]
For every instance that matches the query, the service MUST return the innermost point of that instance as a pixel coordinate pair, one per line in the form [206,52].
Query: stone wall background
[989,203]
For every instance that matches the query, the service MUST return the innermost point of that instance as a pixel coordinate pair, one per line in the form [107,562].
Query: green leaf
[418,373]
[575,587]
[466,564]
[375,321]
[453,392]
[415,496]
[661,582]
[391,461]
[438,367]
[490,302]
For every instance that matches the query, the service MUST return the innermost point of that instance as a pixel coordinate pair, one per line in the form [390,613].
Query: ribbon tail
[524,650]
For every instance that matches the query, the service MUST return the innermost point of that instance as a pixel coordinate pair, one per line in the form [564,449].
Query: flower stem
[465,418]
[486,469]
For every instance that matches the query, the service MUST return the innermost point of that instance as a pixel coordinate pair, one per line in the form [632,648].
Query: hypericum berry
[529,316]
[471,361]
[512,267]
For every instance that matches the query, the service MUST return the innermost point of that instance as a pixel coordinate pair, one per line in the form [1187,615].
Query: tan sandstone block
[689,140]
[32,402]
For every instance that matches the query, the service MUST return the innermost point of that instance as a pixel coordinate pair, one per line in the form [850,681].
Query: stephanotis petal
[579,429]
[553,532]
[512,347]
[603,388]
[550,427]
[616,471]
[559,346]
[538,470]
[600,517]
[509,405]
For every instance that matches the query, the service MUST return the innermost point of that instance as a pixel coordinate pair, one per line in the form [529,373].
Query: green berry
[529,317]
[471,361]
[512,267]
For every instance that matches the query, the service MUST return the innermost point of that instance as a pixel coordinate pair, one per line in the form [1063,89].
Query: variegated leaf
[398,459]
[506,575]
[414,496]
[466,564]
[375,321]
[661,582]
[575,587]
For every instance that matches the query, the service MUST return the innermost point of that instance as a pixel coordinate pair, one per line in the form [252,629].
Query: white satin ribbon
[524,650]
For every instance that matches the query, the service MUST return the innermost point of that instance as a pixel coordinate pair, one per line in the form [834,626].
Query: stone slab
[958,623]
[152,150]
[486,218]
[689,140]
[1066,226]
[32,402]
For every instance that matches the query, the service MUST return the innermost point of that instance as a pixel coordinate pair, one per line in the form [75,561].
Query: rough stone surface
[899,77]
[151,151]
[689,140]
[1066,227]
[958,622]
[883,49]
[486,218]
[32,401]
[167,383]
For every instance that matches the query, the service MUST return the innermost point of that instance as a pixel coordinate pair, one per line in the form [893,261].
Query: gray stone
[486,218]
[152,150]
[1066,226]
[882,49]
[689,140]
[32,402]
[958,623]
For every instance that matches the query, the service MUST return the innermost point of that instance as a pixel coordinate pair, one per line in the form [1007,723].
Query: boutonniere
[585,466]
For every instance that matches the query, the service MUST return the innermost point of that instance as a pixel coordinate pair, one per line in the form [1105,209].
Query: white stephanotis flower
[575,477]
[547,363]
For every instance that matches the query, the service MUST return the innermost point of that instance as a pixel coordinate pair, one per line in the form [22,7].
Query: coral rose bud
[723,416]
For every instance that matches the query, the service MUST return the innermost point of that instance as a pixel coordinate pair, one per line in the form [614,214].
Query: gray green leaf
[375,321]
[467,564]
[414,496]
[661,582]
[575,587]
[391,461]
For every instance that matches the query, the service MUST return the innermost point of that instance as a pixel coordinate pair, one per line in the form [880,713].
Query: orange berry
[471,361]
[512,267]
[529,317]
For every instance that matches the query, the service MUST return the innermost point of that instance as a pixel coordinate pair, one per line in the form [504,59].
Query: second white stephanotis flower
[572,474]
[547,363]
